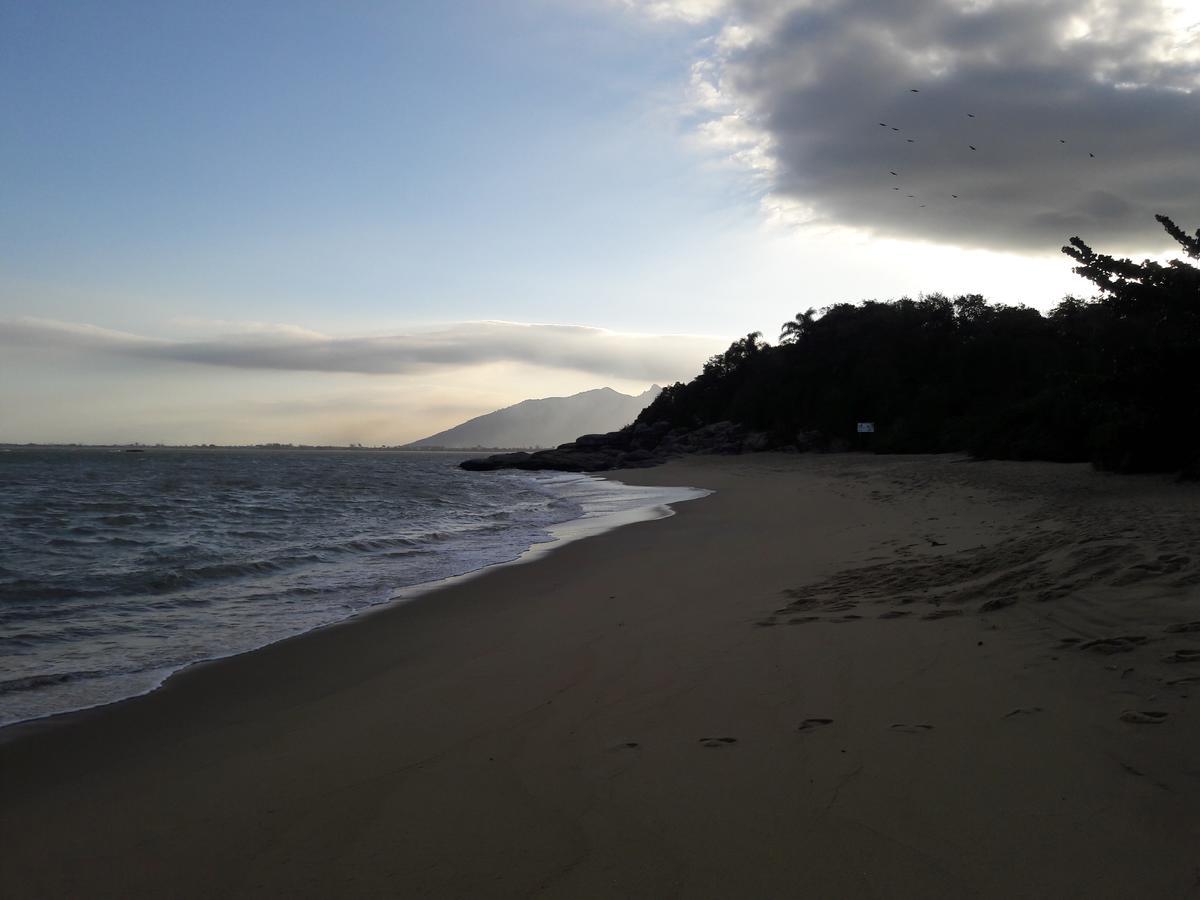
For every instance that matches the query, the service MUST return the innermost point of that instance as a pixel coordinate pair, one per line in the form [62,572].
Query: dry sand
[835,677]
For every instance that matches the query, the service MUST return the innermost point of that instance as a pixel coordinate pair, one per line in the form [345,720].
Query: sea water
[119,568]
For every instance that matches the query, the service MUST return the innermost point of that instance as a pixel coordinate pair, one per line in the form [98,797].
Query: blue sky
[339,162]
[200,199]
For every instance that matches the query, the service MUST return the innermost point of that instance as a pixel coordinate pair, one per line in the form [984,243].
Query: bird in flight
[894,128]
[894,173]
[1061,141]
[970,115]
[1092,155]
[955,196]
[970,146]
[914,91]
[911,141]
[883,124]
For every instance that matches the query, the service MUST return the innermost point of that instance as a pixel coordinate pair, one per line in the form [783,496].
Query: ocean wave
[121,519]
[156,582]
[131,570]
[34,682]
[22,590]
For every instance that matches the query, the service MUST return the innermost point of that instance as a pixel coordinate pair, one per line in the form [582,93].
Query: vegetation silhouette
[1114,379]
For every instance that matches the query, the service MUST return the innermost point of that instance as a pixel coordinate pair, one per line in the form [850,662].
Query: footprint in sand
[997,603]
[810,724]
[1187,679]
[1119,644]
[942,614]
[1023,711]
[1183,656]
[1143,716]
[911,729]
[717,742]
[1182,628]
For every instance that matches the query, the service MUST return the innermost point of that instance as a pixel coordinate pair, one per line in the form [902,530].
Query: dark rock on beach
[496,461]
[640,446]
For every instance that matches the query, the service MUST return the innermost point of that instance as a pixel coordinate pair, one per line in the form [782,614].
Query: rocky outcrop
[637,446]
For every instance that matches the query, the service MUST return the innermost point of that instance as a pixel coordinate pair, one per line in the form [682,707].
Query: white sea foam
[119,570]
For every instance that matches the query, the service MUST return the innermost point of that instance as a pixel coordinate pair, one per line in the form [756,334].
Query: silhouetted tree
[1114,379]
[1146,326]
[798,327]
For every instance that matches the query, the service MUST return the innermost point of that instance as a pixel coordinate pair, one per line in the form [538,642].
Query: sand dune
[836,676]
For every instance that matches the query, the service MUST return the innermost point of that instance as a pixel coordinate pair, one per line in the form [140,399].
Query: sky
[364,222]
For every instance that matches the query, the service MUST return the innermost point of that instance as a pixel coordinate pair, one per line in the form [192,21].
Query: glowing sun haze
[366,222]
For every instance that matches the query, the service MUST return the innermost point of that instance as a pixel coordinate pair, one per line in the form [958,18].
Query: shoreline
[793,683]
[588,524]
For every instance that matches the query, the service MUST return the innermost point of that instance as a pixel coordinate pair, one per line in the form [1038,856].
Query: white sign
[866,427]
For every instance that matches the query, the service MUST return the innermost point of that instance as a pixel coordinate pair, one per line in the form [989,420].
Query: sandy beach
[837,676]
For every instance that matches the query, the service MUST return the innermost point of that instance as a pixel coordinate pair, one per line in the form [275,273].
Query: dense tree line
[1114,379]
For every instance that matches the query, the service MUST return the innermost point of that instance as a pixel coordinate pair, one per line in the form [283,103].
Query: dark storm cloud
[1035,87]
[592,350]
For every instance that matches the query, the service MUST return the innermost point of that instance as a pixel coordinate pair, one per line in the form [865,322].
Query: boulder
[595,440]
[568,461]
[756,442]
[496,461]
[643,444]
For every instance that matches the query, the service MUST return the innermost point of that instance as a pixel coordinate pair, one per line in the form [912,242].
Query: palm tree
[798,327]
[743,349]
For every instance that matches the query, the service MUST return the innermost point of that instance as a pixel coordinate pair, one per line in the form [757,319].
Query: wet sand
[836,676]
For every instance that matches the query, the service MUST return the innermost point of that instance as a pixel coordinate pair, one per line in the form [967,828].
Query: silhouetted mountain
[545,423]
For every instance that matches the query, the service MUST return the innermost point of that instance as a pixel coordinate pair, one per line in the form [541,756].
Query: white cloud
[678,10]
[283,347]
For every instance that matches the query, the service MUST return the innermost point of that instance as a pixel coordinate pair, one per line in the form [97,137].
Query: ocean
[119,568]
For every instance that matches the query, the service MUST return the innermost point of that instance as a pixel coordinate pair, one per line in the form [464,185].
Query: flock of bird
[970,147]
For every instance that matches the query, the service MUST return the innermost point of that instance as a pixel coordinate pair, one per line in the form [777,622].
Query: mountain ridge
[545,421]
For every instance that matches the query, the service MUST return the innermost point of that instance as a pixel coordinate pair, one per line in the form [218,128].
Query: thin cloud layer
[1084,115]
[591,350]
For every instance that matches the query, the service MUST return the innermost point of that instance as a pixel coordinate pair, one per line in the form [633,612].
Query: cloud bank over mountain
[573,347]
[1083,115]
